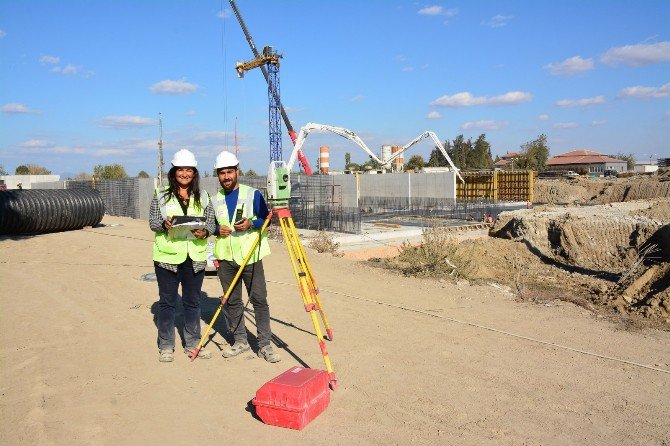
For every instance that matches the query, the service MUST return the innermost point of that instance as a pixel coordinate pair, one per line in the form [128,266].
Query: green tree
[142,174]
[629,158]
[436,158]
[2,170]
[109,172]
[534,154]
[22,170]
[461,153]
[251,173]
[347,159]
[415,162]
[83,176]
[481,154]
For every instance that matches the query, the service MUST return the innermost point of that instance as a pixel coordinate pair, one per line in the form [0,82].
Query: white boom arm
[438,144]
[346,133]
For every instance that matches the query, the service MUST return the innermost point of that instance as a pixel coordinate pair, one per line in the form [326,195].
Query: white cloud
[498,21]
[72,70]
[640,92]
[433,115]
[431,10]
[401,58]
[292,110]
[637,55]
[36,143]
[2,33]
[543,117]
[407,69]
[190,113]
[224,14]
[566,125]
[105,152]
[358,98]
[581,102]
[14,109]
[466,99]
[484,125]
[126,122]
[173,87]
[50,60]
[598,123]
[210,137]
[438,10]
[570,67]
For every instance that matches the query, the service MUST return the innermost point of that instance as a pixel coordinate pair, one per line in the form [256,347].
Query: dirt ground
[418,360]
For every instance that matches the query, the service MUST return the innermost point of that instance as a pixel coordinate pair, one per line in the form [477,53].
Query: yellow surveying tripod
[303,273]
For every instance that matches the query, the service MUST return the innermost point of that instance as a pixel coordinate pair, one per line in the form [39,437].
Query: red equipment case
[294,398]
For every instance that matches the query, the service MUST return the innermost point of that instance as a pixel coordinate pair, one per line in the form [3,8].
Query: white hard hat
[226,159]
[184,158]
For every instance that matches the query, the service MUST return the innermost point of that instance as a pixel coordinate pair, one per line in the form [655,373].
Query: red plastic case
[294,398]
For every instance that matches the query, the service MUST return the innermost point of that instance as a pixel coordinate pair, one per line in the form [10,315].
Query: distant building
[26,181]
[585,161]
[506,162]
[645,167]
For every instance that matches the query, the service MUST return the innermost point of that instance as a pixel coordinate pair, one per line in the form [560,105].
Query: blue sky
[83,81]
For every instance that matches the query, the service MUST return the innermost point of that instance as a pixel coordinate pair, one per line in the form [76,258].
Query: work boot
[166,355]
[202,354]
[233,350]
[269,354]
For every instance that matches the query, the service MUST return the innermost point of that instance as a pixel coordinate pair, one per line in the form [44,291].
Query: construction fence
[342,202]
[496,185]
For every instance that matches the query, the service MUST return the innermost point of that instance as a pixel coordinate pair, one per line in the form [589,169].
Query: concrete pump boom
[348,134]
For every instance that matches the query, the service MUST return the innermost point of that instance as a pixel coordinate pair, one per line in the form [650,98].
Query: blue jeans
[168,285]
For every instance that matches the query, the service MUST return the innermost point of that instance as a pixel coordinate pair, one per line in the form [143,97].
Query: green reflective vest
[237,245]
[171,249]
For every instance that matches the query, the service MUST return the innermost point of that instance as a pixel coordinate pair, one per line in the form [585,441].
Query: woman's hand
[200,233]
[225,231]
[167,224]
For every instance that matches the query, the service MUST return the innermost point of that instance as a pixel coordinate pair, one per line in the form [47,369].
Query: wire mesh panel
[121,197]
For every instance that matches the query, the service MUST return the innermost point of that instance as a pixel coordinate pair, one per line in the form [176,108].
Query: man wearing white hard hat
[240,212]
[179,255]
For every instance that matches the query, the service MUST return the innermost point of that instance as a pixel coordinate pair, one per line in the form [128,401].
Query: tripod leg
[300,252]
[306,291]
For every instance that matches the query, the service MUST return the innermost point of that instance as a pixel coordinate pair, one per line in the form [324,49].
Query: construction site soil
[483,344]
[590,250]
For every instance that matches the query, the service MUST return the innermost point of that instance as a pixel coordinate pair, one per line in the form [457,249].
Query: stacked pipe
[46,210]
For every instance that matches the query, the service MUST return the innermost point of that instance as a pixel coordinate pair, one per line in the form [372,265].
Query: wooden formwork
[505,185]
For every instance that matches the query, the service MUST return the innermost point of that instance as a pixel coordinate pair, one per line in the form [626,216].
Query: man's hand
[244,225]
[225,231]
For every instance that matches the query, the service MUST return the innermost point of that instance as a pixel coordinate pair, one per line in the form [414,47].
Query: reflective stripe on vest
[237,245]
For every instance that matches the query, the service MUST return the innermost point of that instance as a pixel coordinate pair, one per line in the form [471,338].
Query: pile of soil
[601,238]
[602,190]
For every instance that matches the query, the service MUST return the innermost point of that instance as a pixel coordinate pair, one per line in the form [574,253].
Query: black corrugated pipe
[48,210]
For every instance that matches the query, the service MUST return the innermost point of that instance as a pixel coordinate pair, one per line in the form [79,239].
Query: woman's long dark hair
[193,188]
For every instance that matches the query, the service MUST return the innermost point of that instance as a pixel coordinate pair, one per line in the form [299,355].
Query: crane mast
[273,92]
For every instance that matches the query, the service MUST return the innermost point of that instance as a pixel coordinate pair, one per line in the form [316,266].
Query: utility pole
[237,149]
[160,149]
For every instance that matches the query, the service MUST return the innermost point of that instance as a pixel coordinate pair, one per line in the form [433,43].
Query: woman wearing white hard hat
[180,255]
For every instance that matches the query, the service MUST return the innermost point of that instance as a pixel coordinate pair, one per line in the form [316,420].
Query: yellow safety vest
[237,245]
[174,250]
